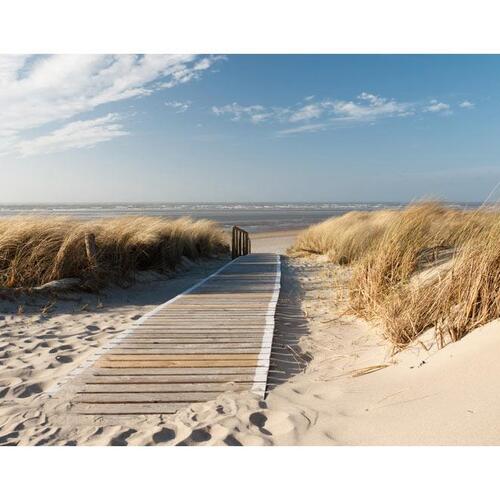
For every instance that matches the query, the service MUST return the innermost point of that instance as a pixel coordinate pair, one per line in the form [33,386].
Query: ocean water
[254,217]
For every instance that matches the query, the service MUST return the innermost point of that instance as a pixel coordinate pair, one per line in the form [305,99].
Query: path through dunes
[216,336]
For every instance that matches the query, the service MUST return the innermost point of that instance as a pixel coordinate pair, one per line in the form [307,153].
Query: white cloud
[437,107]
[366,108]
[369,107]
[310,127]
[179,106]
[466,104]
[37,91]
[307,113]
[255,113]
[75,135]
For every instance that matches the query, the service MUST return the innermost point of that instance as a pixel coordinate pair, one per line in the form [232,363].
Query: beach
[345,386]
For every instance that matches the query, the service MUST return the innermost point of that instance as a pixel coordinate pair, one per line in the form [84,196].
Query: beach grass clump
[36,250]
[469,296]
[432,268]
[346,238]
[426,266]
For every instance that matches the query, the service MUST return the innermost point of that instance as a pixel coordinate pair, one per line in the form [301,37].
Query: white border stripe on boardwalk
[115,340]
[267,339]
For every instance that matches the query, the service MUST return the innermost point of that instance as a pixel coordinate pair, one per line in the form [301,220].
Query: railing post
[240,243]
[233,241]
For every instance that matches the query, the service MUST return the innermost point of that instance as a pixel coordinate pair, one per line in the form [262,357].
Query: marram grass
[36,250]
[422,267]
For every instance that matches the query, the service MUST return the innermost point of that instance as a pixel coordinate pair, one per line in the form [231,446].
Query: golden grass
[344,239]
[425,266]
[35,250]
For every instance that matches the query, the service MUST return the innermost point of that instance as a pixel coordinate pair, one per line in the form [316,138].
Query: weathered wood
[128,409]
[181,350]
[185,363]
[180,372]
[173,380]
[240,242]
[91,250]
[183,388]
[213,339]
[145,397]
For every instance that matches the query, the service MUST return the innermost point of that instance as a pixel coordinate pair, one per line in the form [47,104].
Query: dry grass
[344,239]
[422,267]
[35,250]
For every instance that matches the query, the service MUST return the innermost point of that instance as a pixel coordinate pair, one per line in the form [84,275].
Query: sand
[277,241]
[333,379]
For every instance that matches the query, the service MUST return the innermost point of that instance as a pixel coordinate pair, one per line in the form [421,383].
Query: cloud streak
[179,106]
[38,91]
[76,135]
[303,115]
[437,107]
[313,115]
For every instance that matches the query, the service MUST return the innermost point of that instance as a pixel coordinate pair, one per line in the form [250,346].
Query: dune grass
[35,250]
[421,267]
[344,239]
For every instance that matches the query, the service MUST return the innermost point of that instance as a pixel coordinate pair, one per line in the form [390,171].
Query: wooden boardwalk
[215,337]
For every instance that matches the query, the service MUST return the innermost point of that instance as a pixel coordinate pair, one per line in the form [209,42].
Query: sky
[243,128]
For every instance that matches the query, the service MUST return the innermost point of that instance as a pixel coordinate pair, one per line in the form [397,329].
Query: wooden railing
[240,244]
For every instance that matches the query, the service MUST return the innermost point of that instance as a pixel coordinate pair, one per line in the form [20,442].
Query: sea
[253,217]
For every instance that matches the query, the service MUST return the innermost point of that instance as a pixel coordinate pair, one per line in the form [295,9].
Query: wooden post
[233,243]
[91,250]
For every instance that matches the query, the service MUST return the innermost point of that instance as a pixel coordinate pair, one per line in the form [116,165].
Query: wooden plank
[189,341]
[167,388]
[145,397]
[180,357]
[179,363]
[128,409]
[175,371]
[170,379]
[179,351]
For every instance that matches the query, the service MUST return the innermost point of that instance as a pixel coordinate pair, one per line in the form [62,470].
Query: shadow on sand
[291,324]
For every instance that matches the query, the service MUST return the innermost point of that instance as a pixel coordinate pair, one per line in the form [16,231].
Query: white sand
[421,396]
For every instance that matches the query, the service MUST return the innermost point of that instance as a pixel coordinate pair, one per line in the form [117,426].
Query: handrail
[240,243]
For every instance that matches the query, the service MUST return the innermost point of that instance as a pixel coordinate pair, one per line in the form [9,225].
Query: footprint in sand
[5,440]
[92,328]
[166,434]
[230,440]
[29,390]
[259,420]
[121,439]
[197,436]
[64,359]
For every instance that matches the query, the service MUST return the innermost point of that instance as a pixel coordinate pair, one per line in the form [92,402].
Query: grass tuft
[35,250]
[427,266]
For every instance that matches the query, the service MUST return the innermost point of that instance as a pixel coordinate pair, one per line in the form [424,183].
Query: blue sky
[248,128]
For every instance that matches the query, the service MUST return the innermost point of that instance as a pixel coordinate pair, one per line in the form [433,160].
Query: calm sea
[256,217]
